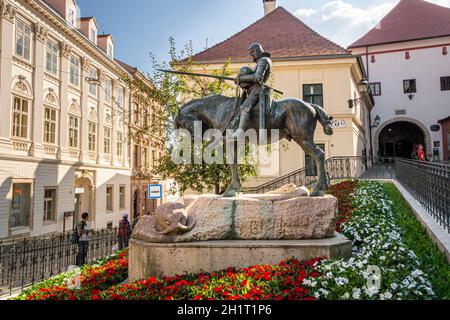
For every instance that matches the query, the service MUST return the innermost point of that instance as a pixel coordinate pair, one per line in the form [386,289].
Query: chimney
[269,6]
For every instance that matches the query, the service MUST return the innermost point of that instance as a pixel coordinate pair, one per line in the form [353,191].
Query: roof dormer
[106,43]
[89,28]
[67,9]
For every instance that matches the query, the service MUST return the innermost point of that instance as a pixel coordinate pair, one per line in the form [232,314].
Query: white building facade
[63,139]
[409,70]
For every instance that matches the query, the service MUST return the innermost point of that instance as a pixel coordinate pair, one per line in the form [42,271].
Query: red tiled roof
[409,20]
[126,66]
[280,33]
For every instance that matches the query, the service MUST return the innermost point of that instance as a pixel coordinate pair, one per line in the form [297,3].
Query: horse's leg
[318,156]
[235,185]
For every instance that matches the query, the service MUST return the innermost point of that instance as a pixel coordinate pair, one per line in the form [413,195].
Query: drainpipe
[370,113]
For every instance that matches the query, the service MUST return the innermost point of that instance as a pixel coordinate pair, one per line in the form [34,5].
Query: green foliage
[434,263]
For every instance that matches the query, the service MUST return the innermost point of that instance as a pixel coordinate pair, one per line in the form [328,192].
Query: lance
[208,76]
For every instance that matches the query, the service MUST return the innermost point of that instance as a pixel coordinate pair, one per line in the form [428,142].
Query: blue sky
[143,26]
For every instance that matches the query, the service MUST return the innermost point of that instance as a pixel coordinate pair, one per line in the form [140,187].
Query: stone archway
[402,141]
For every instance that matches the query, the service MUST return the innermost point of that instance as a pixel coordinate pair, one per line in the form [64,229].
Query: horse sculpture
[294,118]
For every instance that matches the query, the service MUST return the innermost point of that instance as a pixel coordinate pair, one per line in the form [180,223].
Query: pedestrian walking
[83,244]
[124,232]
[421,153]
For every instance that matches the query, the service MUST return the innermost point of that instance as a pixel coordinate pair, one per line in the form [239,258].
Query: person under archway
[421,153]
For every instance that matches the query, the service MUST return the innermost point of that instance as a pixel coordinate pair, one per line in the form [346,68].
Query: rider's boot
[239,134]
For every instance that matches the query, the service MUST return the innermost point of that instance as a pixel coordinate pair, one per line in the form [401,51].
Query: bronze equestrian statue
[295,119]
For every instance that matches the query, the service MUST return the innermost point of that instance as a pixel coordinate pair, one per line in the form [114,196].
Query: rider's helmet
[256,51]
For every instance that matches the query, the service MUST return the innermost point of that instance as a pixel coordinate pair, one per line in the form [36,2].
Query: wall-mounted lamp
[364,89]
[376,122]
[411,95]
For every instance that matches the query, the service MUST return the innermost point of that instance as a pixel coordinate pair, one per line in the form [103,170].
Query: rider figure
[254,83]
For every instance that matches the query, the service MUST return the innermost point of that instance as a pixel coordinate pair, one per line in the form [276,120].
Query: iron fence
[25,262]
[428,182]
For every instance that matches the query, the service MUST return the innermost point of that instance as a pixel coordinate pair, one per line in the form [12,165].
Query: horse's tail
[324,119]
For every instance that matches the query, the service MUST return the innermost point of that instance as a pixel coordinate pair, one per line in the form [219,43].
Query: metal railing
[28,261]
[428,182]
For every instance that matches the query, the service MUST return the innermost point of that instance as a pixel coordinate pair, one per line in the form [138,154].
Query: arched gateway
[397,138]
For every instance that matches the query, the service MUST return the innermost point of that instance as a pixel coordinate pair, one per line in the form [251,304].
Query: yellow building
[306,66]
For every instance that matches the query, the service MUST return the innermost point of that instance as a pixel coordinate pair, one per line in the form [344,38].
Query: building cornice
[75,35]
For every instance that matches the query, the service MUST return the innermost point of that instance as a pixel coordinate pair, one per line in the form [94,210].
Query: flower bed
[393,259]
[382,266]
[283,281]
[98,276]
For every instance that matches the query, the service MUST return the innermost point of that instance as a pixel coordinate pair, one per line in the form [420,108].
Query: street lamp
[364,89]
[377,122]
[93,81]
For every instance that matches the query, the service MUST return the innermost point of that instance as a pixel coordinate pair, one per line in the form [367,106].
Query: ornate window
[20,118]
[119,144]
[50,125]
[93,73]
[92,136]
[23,40]
[52,53]
[107,141]
[136,113]
[74,131]
[75,66]
[107,86]
[120,96]
[74,125]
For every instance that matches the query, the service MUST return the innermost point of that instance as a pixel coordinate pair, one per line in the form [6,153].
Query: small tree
[172,92]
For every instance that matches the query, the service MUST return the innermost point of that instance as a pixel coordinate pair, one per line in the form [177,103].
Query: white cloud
[305,13]
[444,3]
[343,21]
[339,9]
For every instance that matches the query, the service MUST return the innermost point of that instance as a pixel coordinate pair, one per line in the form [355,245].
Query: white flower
[356,293]
[324,292]
[386,296]
[317,295]
[416,273]
[341,281]
[372,291]
[394,286]
[382,258]
[346,296]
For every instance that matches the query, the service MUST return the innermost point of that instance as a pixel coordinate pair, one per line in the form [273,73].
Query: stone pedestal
[211,233]
[164,259]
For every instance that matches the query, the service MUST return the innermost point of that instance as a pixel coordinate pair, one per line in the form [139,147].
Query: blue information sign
[155,191]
